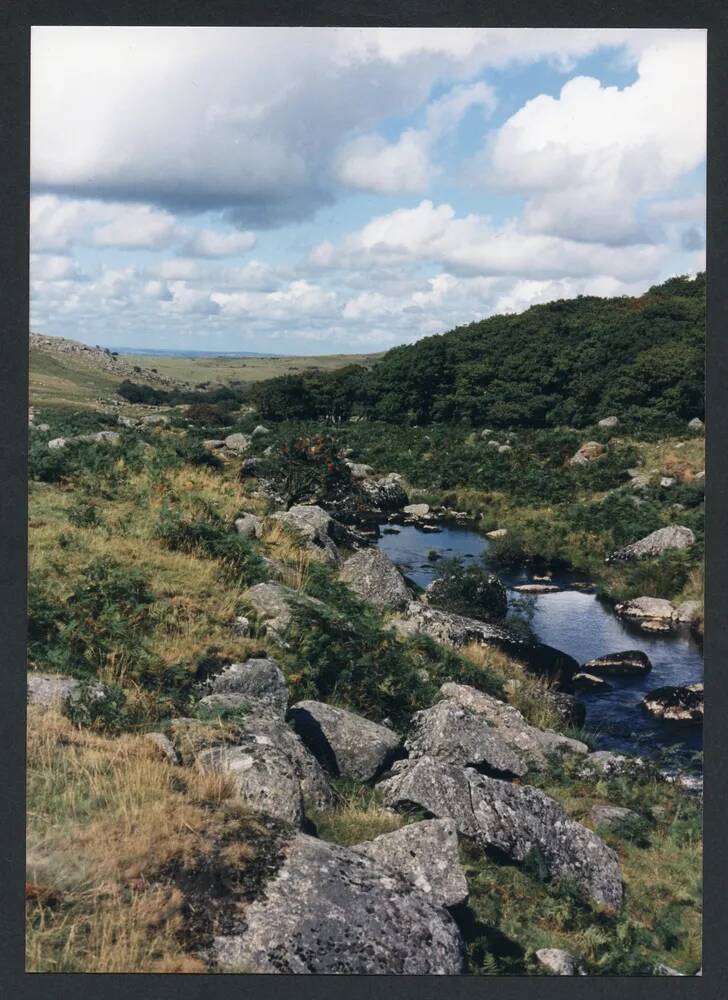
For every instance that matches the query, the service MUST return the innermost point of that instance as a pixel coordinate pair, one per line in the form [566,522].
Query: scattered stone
[416,510]
[248,525]
[537,588]
[315,526]
[250,467]
[425,854]
[608,422]
[131,422]
[514,819]
[676,704]
[386,493]
[640,482]
[504,449]
[587,453]
[486,433]
[50,690]
[497,533]
[589,682]
[631,663]
[452,733]
[614,764]
[556,961]
[696,424]
[100,437]
[675,536]
[164,746]
[260,431]
[666,970]
[241,626]
[346,745]
[275,604]
[494,444]
[332,910]
[667,481]
[699,476]
[375,578]
[239,443]
[527,741]
[156,420]
[359,470]
[212,444]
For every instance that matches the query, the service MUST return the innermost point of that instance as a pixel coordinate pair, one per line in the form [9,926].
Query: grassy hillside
[60,380]
[227,370]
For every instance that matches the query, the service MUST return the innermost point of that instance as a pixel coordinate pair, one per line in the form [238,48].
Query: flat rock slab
[455,734]
[631,663]
[425,854]
[331,910]
[532,744]
[375,578]
[517,820]
[347,745]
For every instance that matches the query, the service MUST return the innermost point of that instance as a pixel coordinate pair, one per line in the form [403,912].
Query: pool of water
[582,626]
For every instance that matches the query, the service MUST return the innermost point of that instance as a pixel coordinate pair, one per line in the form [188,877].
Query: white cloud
[213,243]
[59,223]
[47,267]
[585,160]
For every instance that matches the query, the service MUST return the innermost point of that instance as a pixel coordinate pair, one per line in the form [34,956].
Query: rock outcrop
[264,777]
[385,494]
[49,690]
[259,682]
[535,745]
[676,704]
[375,578]
[587,453]
[425,854]
[516,820]
[248,525]
[315,526]
[449,732]
[332,910]
[237,443]
[346,745]
[674,536]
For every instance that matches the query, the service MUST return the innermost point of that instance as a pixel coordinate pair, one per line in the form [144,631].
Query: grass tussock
[357,816]
[104,817]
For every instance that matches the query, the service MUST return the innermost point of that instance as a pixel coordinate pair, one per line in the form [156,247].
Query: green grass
[225,370]
[58,381]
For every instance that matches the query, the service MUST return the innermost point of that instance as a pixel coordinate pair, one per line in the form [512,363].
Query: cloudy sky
[322,190]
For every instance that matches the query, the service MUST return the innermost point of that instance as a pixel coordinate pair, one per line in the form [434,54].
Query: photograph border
[16,20]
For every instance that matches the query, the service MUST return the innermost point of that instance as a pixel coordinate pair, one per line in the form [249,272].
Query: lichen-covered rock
[587,453]
[164,747]
[268,731]
[515,819]
[450,732]
[49,690]
[248,525]
[696,424]
[358,470]
[346,745]
[260,431]
[416,510]
[264,778]
[238,443]
[99,437]
[676,704]
[608,422]
[425,854]
[375,578]
[630,663]
[556,961]
[674,536]
[535,745]
[647,609]
[687,611]
[315,526]
[275,605]
[613,764]
[330,910]
[385,494]
[259,681]
[611,817]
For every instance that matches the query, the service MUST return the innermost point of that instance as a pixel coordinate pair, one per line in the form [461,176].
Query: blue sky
[327,190]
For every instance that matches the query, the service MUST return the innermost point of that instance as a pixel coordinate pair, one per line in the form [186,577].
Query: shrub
[468,589]
[307,468]
[213,538]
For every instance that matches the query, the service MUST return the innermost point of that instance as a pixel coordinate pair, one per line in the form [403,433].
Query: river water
[584,627]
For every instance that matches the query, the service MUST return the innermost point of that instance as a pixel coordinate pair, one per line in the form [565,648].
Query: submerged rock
[332,910]
[514,819]
[590,682]
[450,732]
[676,704]
[375,578]
[347,745]
[425,854]
[534,744]
[631,663]
[675,536]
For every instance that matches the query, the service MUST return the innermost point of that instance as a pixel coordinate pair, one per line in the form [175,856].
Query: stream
[584,627]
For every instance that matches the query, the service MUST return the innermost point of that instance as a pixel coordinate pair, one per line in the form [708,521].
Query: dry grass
[286,547]
[103,816]
[680,457]
[358,816]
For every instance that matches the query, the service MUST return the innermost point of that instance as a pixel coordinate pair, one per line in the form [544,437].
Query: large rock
[676,704]
[248,525]
[688,611]
[314,525]
[640,609]
[674,536]
[414,511]
[49,690]
[535,745]
[587,453]
[385,494]
[259,681]
[100,437]
[455,734]
[556,961]
[265,779]
[590,682]
[631,663]
[375,578]
[347,745]
[275,606]
[425,854]
[516,820]
[696,424]
[608,422]
[331,910]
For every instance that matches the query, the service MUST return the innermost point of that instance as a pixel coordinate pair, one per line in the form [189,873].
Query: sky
[327,190]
